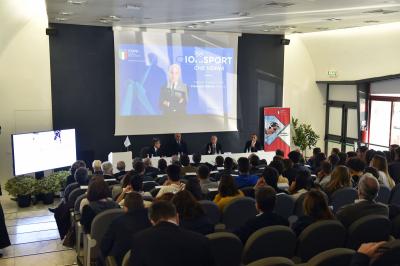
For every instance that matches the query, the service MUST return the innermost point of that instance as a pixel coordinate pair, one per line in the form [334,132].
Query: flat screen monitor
[39,151]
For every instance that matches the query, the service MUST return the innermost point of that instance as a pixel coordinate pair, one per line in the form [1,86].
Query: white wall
[300,92]
[356,53]
[25,94]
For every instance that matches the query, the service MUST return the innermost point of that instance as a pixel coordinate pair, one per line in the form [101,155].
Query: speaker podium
[115,157]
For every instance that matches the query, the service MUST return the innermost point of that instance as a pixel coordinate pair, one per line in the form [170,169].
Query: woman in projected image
[174,95]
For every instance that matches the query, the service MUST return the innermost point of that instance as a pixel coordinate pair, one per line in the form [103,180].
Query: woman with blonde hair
[380,163]
[340,178]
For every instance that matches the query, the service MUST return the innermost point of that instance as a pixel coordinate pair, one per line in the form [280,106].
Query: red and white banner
[277,129]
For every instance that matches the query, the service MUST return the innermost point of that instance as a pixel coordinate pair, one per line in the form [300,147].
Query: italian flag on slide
[123,55]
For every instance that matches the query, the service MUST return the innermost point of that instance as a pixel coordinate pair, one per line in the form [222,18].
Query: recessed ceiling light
[208,22]
[333,19]
[66,13]
[114,18]
[61,19]
[192,26]
[105,21]
[77,2]
[279,4]
[133,7]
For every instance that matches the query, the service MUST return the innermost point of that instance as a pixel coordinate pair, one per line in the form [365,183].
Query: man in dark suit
[253,145]
[121,169]
[155,150]
[265,204]
[118,238]
[368,188]
[394,167]
[74,166]
[178,147]
[214,147]
[166,244]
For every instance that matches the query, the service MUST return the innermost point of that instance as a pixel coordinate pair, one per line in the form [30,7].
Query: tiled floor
[34,237]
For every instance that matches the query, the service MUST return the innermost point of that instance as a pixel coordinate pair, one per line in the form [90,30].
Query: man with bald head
[368,188]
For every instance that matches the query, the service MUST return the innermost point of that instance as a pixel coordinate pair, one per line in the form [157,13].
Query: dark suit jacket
[70,180]
[359,259]
[119,175]
[291,173]
[173,96]
[352,212]
[201,225]
[167,244]
[178,148]
[153,153]
[394,171]
[209,149]
[258,222]
[118,238]
[257,147]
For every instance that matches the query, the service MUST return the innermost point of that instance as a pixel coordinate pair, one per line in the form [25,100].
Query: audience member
[254,161]
[219,162]
[107,169]
[121,170]
[172,184]
[301,183]
[324,174]
[379,162]
[366,253]
[253,145]
[227,191]
[270,177]
[356,167]
[118,238]
[278,165]
[280,153]
[368,188]
[315,208]
[191,214]
[244,179]
[311,160]
[334,160]
[291,172]
[193,186]
[369,155]
[373,171]
[178,146]
[265,204]
[340,178]
[351,154]
[149,170]
[203,173]
[362,153]
[99,197]
[74,166]
[186,167]
[214,147]
[394,166]
[319,158]
[335,151]
[167,244]
[342,158]
[135,185]
[162,166]
[96,165]
[81,179]
[196,158]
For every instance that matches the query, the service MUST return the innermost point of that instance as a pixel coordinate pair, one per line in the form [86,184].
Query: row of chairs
[227,250]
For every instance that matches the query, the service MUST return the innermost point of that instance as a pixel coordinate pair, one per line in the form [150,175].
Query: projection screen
[168,82]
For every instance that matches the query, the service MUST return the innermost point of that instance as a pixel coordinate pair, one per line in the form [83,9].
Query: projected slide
[175,82]
[194,82]
[40,151]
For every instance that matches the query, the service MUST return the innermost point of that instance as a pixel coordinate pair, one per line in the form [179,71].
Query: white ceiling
[246,16]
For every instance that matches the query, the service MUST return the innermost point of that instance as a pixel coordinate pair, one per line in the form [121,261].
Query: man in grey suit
[174,96]
[368,188]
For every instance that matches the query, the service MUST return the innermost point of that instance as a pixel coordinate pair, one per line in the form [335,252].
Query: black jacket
[119,175]
[257,147]
[210,150]
[166,244]
[394,171]
[153,153]
[90,211]
[4,239]
[201,225]
[176,148]
[352,212]
[359,259]
[263,220]
[118,238]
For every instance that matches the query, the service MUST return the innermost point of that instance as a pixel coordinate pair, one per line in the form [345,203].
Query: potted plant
[47,187]
[22,188]
[61,178]
[303,136]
